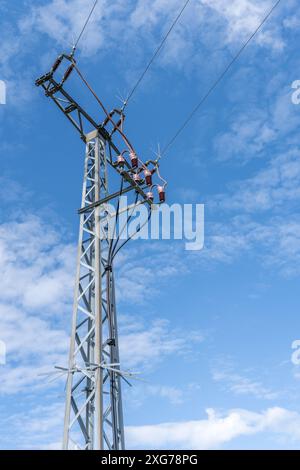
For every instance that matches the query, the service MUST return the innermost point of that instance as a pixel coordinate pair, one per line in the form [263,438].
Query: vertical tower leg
[93,412]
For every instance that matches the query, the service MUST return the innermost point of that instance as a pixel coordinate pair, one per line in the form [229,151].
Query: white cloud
[238,18]
[138,281]
[216,430]
[115,23]
[10,190]
[271,192]
[247,138]
[274,242]
[253,130]
[284,246]
[173,394]
[36,266]
[122,27]
[28,336]
[242,385]
[37,282]
[144,345]
[224,243]
[141,394]
[272,187]
[35,346]
[37,270]
[62,21]
[292,22]
[41,428]
[243,17]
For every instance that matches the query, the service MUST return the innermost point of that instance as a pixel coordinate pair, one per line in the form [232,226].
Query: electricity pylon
[94,350]
[93,411]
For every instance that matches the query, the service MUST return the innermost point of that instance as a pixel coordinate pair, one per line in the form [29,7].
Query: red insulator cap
[148,177]
[134,160]
[121,161]
[161,193]
[137,178]
[150,196]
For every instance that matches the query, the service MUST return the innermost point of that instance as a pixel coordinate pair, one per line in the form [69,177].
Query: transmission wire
[219,79]
[85,25]
[156,53]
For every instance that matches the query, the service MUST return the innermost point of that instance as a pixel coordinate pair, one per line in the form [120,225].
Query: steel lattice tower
[93,412]
[94,342]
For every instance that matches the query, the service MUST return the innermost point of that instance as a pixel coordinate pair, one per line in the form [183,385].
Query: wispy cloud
[37,270]
[271,188]
[36,265]
[144,346]
[252,129]
[41,428]
[138,280]
[240,384]
[217,430]
[273,242]
[37,278]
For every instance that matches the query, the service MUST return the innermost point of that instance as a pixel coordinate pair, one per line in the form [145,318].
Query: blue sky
[210,332]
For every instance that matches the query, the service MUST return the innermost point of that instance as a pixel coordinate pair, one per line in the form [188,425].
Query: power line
[157,52]
[219,79]
[85,25]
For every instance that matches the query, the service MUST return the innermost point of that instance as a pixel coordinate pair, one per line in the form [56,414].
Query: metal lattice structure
[93,412]
[94,351]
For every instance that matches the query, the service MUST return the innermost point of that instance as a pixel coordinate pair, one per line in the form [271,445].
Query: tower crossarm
[125,162]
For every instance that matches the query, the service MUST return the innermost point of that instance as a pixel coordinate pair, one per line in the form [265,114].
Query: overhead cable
[156,52]
[219,79]
[84,27]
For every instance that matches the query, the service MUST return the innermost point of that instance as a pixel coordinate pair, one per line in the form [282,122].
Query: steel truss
[93,412]
[93,416]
